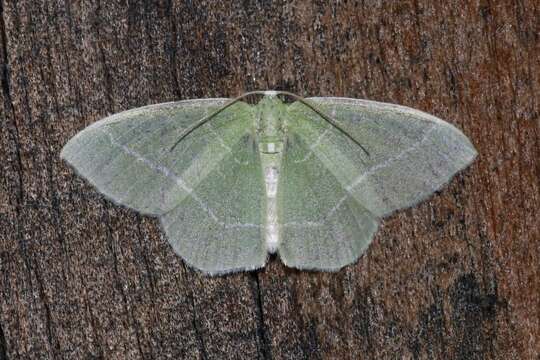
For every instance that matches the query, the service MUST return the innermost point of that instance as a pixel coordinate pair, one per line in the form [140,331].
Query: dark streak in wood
[3,347]
[51,331]
[196,326]
[262,336]
[173,50]
[8,102]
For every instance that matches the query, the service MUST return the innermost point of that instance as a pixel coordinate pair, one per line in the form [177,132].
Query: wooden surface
[456,277]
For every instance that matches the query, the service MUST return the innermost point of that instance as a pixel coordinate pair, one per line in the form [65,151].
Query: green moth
[232,182]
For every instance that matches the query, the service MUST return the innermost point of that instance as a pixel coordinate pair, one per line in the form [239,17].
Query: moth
[232,182]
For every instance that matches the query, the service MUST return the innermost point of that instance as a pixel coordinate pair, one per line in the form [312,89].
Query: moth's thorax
[270,124]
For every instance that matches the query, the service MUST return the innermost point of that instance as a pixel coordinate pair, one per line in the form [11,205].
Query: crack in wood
[52,339]
[118,283]
[3,346]
[263,343]
[173,48]
[8,103]
[106,74]
[194,320]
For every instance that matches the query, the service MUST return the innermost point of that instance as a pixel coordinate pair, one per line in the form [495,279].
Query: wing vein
[312,147]
[389,161]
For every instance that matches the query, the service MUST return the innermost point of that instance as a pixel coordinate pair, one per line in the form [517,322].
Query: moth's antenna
[328,119]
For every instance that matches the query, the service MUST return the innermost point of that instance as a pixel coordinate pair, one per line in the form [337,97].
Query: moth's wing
[219,228]
[411,155]
[127,157]
[322,227]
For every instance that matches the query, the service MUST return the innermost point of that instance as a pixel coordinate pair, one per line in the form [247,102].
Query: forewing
[127,156]
[411,153]
[218,228]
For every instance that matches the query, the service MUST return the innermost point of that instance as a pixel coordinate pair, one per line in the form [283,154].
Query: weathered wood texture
[456,277]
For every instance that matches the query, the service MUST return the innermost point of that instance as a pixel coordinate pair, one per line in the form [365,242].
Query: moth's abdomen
[271,175]
[271,149]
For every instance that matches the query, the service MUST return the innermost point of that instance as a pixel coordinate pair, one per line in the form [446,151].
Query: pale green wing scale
[332,194]
[208,191]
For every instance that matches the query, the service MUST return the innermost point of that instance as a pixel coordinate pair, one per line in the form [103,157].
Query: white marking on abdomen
[271,175]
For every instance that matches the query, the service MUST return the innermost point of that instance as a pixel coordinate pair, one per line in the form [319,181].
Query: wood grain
[456,277]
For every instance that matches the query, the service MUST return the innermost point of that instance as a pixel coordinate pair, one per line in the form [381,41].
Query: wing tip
[439,187]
